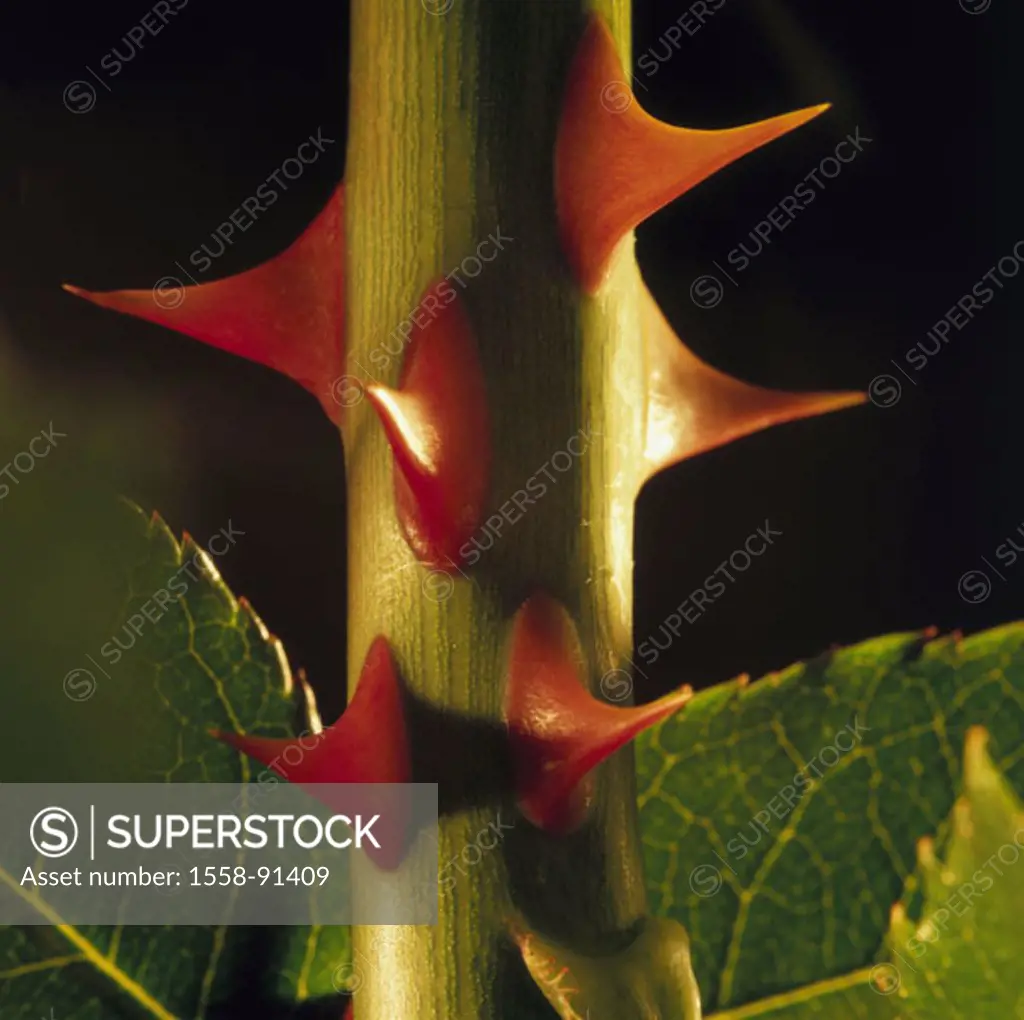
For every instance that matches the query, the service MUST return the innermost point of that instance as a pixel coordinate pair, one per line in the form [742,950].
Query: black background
[881,509]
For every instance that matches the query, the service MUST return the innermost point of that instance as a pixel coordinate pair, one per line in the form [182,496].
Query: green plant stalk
[452,133]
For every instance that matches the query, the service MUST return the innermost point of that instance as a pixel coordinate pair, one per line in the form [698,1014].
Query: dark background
[881,509]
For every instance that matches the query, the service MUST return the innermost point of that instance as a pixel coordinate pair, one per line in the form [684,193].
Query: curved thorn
[286,314]
[615,165]
[438,426]
[559,731]
[693,408]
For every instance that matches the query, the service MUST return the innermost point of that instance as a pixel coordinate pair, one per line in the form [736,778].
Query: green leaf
[962,958]
[136,705]
[781,819]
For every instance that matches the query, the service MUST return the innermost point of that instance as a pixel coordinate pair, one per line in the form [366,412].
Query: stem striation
[452,137]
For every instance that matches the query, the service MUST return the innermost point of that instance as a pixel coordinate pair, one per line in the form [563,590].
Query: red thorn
[368,744]
[286,314]
[692,408]
[438,426]
[615,165]
[349,1013]
[558,730]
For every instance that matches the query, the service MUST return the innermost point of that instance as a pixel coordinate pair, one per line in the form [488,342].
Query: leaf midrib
[90,954]
[806,993]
